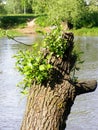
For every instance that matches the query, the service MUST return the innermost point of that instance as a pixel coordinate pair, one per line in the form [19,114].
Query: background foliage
[77,13]
[9,21]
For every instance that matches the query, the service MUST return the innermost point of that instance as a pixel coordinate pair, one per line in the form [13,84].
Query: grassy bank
[78,32]
[12,32]
[86,31]
[19,21]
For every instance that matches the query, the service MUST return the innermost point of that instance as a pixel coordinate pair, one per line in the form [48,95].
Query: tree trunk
[49,105]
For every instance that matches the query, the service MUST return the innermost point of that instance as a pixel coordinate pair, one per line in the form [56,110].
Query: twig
[10,37]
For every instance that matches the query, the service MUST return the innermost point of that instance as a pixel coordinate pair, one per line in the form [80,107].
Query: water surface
[84,114]
[84,111]
[12,104]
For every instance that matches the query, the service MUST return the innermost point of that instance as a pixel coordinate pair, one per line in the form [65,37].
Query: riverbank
[12,32]
[86,31]
[31,28]
[28,29]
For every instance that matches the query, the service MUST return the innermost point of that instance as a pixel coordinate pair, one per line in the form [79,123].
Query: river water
[84,111]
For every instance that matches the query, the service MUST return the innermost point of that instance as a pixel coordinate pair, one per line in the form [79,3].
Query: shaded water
[84,111]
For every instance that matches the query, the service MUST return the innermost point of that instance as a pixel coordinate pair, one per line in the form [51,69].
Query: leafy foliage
[16,6]
[43,21]
[55,42]
[34,64]
[2,9]
[77,13]
[13,6]
[63,10]
[40,6]
[7,21]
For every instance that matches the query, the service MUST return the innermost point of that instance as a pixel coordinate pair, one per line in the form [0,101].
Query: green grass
[86,31]
[11,32]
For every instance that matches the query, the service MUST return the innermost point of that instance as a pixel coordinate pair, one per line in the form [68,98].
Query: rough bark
[49,104]
[48,109]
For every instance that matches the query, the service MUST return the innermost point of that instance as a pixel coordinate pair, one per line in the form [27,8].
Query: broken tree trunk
[49,104]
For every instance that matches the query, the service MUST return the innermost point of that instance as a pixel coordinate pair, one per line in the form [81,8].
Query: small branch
[85,87]
[10,37]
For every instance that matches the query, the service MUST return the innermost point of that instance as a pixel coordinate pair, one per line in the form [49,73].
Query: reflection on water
[89,45]
[84,111]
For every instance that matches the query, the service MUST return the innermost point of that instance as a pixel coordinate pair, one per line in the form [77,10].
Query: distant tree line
[77,13]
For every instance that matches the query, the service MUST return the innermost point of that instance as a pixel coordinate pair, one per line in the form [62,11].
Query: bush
[14,20]
[43,21]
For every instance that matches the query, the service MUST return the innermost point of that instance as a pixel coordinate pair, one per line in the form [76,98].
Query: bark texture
[49,104]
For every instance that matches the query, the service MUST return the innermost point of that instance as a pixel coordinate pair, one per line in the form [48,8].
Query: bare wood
[48,109]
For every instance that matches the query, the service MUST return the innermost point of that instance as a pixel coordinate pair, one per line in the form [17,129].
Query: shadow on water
[84,111]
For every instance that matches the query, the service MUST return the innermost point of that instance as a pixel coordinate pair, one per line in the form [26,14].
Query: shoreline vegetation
[12,32]
[26,31]
[86,31]
[30,28]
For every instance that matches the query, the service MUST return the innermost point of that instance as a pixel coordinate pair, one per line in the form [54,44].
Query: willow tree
[47,77]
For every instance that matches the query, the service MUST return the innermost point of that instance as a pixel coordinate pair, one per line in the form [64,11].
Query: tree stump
[49,104]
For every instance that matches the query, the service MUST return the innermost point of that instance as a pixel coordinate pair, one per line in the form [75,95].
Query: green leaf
[30,65]
[42,67]
[49,66]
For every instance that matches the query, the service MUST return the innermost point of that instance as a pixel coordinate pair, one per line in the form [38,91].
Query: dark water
[84,111]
